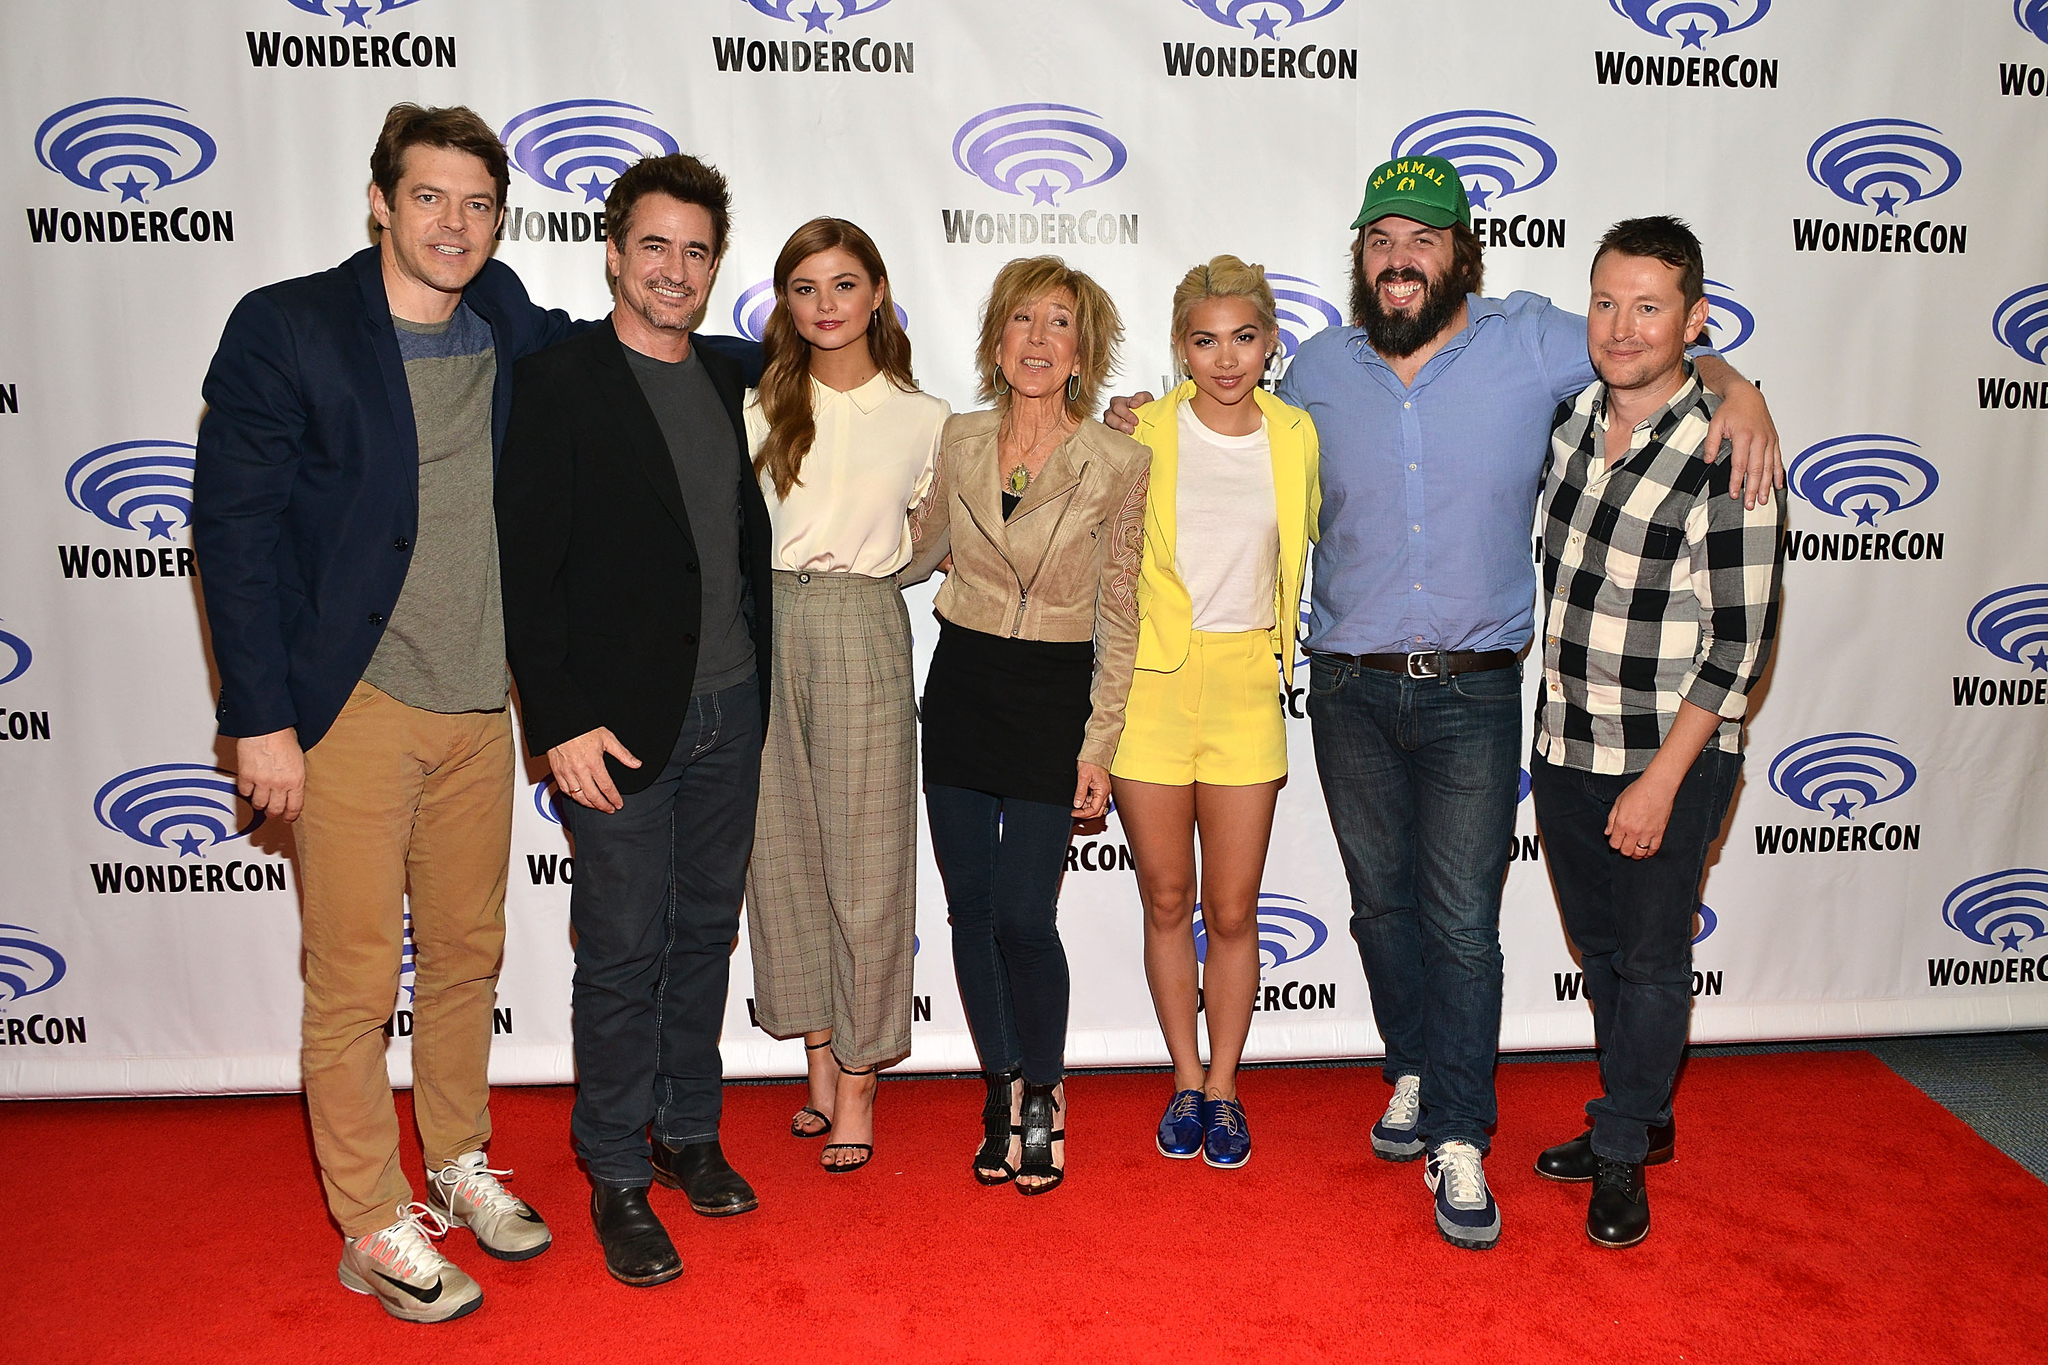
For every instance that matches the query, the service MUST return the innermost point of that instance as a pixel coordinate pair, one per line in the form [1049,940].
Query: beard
[1404,333]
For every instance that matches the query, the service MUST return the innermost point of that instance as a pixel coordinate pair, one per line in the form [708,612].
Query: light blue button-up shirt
[1429,492]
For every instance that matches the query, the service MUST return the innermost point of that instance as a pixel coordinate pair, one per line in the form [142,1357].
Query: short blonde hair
[1224,277]
[1099,331]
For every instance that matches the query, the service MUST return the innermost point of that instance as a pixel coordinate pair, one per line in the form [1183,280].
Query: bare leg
[1159,820]
[824,1078]
[853,1116]
[1236,826]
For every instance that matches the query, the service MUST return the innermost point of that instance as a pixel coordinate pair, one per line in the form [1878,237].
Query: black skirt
[1006,716]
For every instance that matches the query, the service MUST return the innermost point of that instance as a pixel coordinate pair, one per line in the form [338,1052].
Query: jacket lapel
[1057,480]
[981,491]
[369,268]
[1161,501]
[647,450]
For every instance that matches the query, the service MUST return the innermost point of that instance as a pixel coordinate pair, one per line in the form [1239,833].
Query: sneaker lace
[478,1183]
[1462,1169]
[406,1245]
[1406,1104]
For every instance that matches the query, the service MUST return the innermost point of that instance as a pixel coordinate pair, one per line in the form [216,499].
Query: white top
[871,461]
[1226,545]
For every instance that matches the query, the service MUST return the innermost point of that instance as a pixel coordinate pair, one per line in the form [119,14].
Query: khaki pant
[401,800]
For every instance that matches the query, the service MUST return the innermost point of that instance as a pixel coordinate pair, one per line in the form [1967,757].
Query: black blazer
[602,590]
[305,498]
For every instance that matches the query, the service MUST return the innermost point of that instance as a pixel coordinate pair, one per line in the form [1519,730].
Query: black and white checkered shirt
[1658,587]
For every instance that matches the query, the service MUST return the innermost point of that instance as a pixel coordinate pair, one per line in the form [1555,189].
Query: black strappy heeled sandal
[865,1147]
[796,1128]
[996,1130]
[1038,1114]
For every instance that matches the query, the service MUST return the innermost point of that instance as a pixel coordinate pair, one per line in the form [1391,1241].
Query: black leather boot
[637,1250]
[1619,1214]
[700,1171]
[1572,1162]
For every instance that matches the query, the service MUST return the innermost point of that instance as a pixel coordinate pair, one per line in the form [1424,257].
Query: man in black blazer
[635,544]
[342,514]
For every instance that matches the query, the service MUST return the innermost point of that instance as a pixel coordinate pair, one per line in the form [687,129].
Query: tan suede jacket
[1065,565]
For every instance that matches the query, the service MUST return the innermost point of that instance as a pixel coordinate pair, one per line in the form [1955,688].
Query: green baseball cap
[1425,188]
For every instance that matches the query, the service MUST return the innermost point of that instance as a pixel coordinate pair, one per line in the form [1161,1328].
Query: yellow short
[1216,719]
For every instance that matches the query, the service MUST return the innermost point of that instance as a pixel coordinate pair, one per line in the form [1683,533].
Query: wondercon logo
[28,966]
[602,138]
[1882,163]
[1843,773]
[1302,310]
[120,482]
[350,11]
[196,803]
[1495,153]
[15,656]
[1272,14]
[1287,931]
[408,959]
[547,801]
[1057,143]
[1691,21]
[818,18]
[1887,474]
[1708,922]
[2021,322]
[750,311]
[2010,621]
[2032,15]
[1729,324]
[2005,910]
[89,143]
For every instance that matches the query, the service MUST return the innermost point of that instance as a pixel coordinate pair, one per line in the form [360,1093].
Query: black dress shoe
[1619,1215]
[1573,1162]
[637,1250]
[700,1171]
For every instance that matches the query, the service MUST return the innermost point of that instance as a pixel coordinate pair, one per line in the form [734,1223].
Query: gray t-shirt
[709,466]
[444,646]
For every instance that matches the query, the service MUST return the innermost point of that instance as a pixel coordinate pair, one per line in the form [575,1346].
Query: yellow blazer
[1166,613]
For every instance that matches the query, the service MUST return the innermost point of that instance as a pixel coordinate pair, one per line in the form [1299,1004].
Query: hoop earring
[1074,387]
[1001,385]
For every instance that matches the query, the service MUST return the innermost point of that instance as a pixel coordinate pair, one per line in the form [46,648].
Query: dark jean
[1002,859]
[656,909]
[1422,777]
[1632,921]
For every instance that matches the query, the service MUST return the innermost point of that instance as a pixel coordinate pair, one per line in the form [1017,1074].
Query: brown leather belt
[1432,663]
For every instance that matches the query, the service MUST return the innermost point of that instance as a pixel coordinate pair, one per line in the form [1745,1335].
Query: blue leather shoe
[1226,1140]
[1180,1132]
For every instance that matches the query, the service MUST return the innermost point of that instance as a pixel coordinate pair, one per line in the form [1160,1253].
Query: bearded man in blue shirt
[1434,412]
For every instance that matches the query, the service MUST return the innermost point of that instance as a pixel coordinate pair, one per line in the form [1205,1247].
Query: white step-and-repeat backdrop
[1868,181]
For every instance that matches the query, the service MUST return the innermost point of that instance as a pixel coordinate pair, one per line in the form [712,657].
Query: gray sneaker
[1394,1137]
[400,1268]
[466,1191]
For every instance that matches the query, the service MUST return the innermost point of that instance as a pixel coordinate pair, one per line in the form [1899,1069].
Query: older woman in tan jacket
[1042,509]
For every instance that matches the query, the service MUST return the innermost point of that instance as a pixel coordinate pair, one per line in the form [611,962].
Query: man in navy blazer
[343,521]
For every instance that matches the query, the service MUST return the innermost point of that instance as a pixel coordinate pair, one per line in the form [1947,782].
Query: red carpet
[1821,1209]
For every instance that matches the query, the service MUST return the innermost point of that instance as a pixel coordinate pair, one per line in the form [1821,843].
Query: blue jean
[1002,859]
[1422,777]
[656,910]
[1632,921]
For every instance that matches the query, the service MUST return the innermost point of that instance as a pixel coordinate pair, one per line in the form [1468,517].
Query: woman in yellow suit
[1228,521]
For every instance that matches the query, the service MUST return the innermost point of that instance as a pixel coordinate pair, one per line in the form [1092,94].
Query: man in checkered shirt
[1660,605]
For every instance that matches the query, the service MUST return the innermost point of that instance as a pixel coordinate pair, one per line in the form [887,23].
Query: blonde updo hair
[1098,331]
[1224,277]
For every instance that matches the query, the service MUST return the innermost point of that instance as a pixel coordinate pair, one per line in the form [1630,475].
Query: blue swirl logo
[28,966]
[1842,773]
[350,11]
[2021,323]
[15,656]
[1523,787]
[1059,144]
[1703,19]
[2004,910]
[1287,931]
[1302,310]
[408,959]
[1496,153]
[818,18]
[597,139]
[186,806]
[1729,324]
[547,801]
[120,482]
[1864,476]
[2032,15]
[2010,621]
[750,311]
[89,143]
[1882,163]
[1708,922]
[1272,15]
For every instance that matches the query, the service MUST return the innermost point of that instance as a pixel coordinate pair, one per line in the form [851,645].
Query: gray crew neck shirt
[709,466]
[444,647]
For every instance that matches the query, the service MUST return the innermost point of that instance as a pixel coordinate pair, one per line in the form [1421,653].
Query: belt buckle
[1414,670]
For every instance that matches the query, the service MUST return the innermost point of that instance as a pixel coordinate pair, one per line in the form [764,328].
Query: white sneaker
[466,1191]
[400,1267]
[1394,1137]
[1465,1212]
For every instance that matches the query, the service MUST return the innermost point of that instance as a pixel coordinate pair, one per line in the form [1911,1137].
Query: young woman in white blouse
[1228,521]
[844,445]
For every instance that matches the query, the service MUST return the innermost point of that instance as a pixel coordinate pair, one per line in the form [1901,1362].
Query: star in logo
[1044,190]
[2039,660]
[593,189]
[353,13]
[1478,196]
[159,526]
[1694,37]
[131,188]
[1843,807]
[814,18]
[189,844]
[1887,203]
[1866,515]
[2010,940]
[1264,23]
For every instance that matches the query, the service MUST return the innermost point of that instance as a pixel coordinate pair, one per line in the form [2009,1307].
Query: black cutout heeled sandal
[796,1128]
[1038,1114]
[997,1130]
[866,1147]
